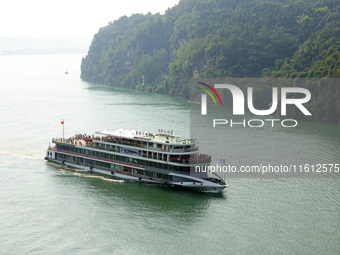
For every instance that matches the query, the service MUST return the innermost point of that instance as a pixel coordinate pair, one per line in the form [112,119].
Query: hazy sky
[69,18]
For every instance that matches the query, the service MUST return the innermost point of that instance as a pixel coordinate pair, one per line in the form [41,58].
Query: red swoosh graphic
[213,90]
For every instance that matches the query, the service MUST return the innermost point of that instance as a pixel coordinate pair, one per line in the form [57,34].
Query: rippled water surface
[48,209]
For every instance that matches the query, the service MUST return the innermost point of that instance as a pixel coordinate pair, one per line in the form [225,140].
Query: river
[48,209]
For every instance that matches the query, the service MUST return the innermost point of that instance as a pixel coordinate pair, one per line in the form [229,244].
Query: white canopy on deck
[122,132]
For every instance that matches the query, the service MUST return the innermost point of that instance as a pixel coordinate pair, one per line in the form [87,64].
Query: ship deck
[164,137]
[195,157]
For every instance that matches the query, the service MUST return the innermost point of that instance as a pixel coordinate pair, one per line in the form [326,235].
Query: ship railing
[101,147]
[171,150]
[118,150]
[52,147]
[153,148]
[193,159]
[79,142]
[119,141]
[184,150]
[132,144]
[122,141]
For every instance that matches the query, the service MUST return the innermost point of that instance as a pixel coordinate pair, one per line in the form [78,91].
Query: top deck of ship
[163,137]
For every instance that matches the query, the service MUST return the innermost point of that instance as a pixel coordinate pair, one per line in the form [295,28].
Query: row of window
[108,156]
[144,144]
[119,168]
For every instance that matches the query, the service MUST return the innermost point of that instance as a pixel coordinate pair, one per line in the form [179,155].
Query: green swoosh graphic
[208,92]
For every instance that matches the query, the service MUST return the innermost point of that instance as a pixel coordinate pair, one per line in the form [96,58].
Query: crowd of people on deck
[81,139]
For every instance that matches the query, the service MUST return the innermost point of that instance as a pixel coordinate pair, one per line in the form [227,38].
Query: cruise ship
[161,158]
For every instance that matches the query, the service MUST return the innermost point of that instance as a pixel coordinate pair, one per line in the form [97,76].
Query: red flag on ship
[62,122]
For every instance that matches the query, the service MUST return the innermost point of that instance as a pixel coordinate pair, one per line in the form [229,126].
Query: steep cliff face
[217,38]
[121,52]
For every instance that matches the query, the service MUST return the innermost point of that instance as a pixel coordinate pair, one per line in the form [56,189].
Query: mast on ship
[62,123]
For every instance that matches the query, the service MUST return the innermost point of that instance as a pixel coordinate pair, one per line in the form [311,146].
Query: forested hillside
[217,38]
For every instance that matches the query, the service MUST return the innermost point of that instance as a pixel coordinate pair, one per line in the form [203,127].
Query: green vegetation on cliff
[217,38]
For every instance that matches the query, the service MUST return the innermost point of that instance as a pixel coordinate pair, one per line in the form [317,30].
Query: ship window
[177,168]
[128,169]
[107,165]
